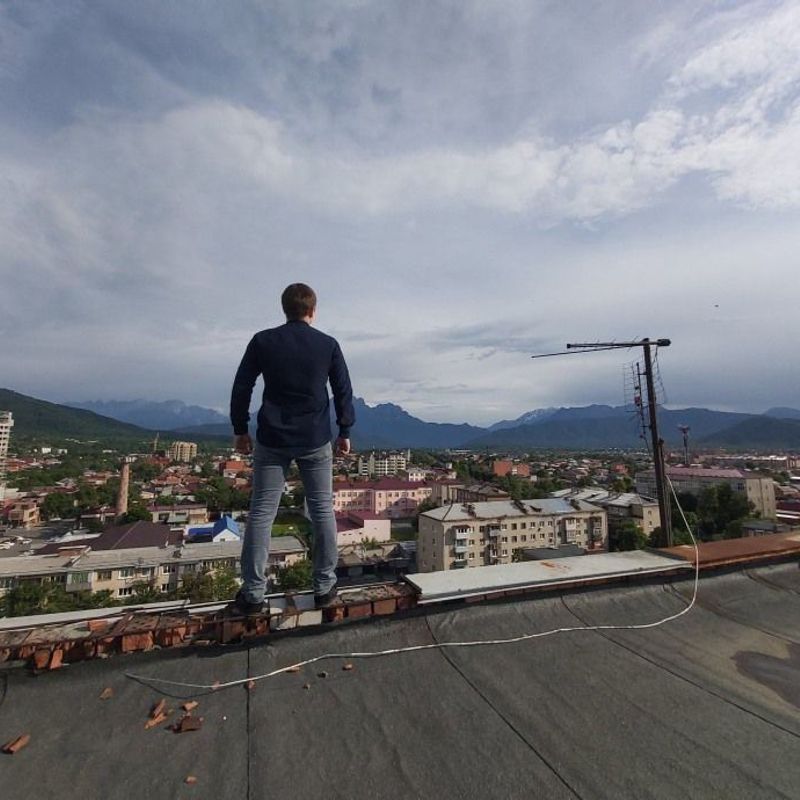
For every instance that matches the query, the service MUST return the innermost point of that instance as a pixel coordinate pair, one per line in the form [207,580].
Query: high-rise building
[6,424]
[183,451]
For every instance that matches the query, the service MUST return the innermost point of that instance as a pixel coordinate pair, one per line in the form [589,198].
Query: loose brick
[41,658]
[154,722]
[190,705]
[57,658]
[251,685]
[107,693]
[347,667]
[190,779]
[97,625]
[158,708]
[15,745]
[188,723]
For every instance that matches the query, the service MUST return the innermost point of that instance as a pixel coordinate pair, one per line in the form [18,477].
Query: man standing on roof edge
[296,362]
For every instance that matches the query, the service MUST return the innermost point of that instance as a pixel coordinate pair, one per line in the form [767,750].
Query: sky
[464,184]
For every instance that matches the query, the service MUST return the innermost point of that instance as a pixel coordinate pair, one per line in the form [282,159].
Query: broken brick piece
[251,685]
[15,745]
[155,721]
[347,666]
[215,686]
[188,723]
[107,693]
[190,705]
[190,779]
[41,658]
[158,709]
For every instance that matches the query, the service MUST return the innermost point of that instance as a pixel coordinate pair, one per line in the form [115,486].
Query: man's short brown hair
[298,301]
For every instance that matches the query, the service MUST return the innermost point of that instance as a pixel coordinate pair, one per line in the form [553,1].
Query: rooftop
[491,509]
[704,706]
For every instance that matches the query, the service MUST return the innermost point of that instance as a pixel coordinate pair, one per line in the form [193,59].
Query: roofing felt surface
[705,706]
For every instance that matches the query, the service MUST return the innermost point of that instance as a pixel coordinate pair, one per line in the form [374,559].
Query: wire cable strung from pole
[441,645]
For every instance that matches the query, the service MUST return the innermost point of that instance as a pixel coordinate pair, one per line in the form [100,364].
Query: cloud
[463,187]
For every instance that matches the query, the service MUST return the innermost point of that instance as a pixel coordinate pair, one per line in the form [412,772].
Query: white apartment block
[6,424]
[183,451]
[382,465]
[760,491]
[118,571]
[478,534]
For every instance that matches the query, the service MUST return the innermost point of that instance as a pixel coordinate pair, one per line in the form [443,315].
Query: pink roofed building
[388,497]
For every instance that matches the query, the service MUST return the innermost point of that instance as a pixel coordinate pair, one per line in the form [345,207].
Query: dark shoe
[239,605]
[323,600]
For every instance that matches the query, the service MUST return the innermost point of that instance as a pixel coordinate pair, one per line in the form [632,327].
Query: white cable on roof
[441,645]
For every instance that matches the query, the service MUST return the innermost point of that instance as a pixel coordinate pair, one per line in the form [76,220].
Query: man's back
[296,362]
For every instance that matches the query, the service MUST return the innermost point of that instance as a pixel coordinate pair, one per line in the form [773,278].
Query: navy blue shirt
[296,362]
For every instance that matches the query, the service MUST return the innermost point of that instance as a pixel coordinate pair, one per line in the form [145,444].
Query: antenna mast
[657,442]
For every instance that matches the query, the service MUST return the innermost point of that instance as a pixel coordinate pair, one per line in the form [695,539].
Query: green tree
[145,470]
[143,592]
[296,576]
[627,535]
[58,505]
[135,514]
[206,586]
[720,511]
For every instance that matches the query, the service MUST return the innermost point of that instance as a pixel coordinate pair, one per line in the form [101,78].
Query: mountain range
[387,425]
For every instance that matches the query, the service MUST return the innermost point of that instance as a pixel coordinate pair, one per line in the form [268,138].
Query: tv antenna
[684,429]
[647,346]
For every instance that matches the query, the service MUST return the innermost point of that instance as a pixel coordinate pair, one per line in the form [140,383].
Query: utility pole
[658,447]
[657,443]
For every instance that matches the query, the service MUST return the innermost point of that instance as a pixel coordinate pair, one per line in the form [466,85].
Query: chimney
[124,481]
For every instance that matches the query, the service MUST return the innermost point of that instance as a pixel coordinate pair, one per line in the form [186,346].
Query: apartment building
[6,424]
[619,506]
[179,514]
[382,464]
[183,451]
[118,571]
[480,534]
[388,497]
[760,491]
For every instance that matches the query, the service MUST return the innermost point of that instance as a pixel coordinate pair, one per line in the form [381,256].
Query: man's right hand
[243,444]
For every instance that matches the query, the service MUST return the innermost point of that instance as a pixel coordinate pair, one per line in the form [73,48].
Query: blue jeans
[270,468]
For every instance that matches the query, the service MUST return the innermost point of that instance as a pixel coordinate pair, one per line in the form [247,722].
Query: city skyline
[464,186]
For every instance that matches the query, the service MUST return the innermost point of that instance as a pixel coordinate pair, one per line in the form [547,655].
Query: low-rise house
[225,529]
[355,527]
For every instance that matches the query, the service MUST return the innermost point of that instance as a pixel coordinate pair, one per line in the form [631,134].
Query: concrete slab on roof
[454,583]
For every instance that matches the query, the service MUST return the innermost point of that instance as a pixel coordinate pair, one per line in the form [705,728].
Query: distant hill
[380,427]
[599,426]
[160,416]
[529,418]
[760,432]
[781,412]
[39,418]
